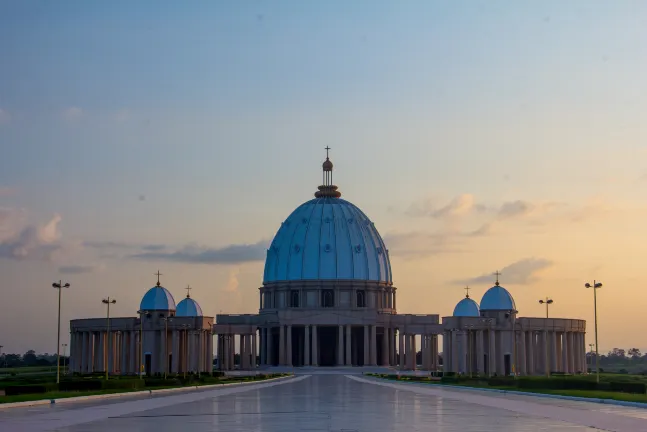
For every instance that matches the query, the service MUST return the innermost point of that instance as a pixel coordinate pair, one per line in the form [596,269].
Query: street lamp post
[595,287]
[59,286]
[64,351]
[547,302]
[108,302]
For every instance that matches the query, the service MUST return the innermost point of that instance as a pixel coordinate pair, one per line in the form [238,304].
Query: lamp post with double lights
[547,302]
[108,301]
[59,286]
[595,286]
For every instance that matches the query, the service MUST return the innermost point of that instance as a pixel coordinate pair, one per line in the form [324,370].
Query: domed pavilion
[328,297]
[163,338]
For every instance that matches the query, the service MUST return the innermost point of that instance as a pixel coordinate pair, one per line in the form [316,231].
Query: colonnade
[246,347]
[500,352]
[352,345]
[120,352]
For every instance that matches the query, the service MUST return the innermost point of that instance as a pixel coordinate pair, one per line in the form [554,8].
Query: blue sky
[203,124]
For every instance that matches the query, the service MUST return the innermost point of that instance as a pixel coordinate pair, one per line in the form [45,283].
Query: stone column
[289,346]
[385,347]
[84,353]
[340,346]
[315,347]
[531,353]
[373,345]
[407,351]
[414,362]
[253,350]
[123,365]
[134,352]
[263,340]
[269,357]
[423,351]
[480,350]
[367,350]
[455,352]
[282,361]
[565,353]
[521,352]
[348,346]
[464,356]
[583,351]
[306,348]
[572,353]
[446,353]
[492,354]
[100,352]
[553,351]
[401,348]
[241,351]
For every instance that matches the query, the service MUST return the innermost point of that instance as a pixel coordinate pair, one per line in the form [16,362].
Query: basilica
[328,299]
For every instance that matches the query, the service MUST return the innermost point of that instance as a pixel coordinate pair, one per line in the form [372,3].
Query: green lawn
[62,395]
[593,394]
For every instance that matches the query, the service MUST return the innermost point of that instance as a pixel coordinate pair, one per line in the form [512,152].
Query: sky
[478,136]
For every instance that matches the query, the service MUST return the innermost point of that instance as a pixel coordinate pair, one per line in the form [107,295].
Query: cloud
[123,115]
[418,244]
[80,269]
[461,205]
[521,272]
[72,114]
[154,247]
[31,242]
[232,254]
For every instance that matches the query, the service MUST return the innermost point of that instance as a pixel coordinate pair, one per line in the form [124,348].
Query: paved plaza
[326,402]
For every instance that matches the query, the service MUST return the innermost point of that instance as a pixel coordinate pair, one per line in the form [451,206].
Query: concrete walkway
[327,402]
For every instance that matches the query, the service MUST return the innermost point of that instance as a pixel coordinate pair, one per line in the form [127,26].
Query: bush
[501,381]
[29,389]
[81,385]
[628,387]
[123,384]
[160,382]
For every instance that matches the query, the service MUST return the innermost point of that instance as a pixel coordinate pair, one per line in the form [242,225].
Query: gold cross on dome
[158,274]
[497,274]
[188,288]
[467,291]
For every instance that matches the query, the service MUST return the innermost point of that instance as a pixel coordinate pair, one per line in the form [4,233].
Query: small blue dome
[497,298]
[327,238]
[157,299]
[466,308]
[188,308]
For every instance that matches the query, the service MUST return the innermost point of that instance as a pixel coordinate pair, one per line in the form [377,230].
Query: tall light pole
[64,351]
[59,286]
[546,302]
[595,287]
[108,302]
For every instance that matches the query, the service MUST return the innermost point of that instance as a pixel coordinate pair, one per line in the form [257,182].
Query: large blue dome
[497,298]
[327,238]
[188,308]
[157,299]
[466,308]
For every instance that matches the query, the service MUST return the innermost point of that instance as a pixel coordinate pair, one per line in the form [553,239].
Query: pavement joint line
[522,393]
[129,394]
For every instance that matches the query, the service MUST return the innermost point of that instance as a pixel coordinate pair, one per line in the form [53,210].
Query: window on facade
[361,299]
[294,299]
[327,298]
